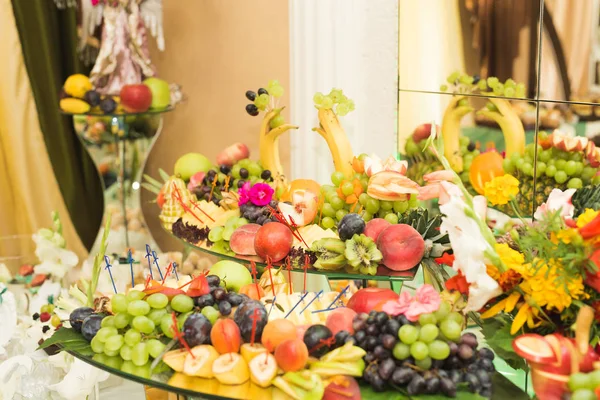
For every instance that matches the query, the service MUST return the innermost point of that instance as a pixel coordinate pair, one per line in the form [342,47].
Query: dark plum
[244,316]
[316,339]
[78,315]
[91,326]
[205,300]
[350,225]
[196,330]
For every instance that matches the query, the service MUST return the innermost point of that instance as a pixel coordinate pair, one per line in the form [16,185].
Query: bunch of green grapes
[469,151]
[247,170]
[584,386]
[464,83]
[337,98]
[129,340]
[220,235]
[570,168]
[334,207]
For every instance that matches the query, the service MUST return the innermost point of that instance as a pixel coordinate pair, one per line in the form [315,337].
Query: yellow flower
[509,256]
[566,236]
[586,217]
[526,313]
[501,189]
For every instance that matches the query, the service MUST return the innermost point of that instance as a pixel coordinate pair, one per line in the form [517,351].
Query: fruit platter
[364,224]
[553,160]
[206,336]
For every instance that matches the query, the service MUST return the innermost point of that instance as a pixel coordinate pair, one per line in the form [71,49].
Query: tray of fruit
[364,224]
[202,336]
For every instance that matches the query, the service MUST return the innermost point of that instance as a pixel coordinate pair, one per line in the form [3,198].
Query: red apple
[367,299]
[422,132]
[136,98]
[233,154]
[341,319]
[273,240]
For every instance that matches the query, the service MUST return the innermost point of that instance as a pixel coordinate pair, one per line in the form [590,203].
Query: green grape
[413,202]
[575,156]
[466,79]
[227,233]
[182,303]
[143,324]
[443,88]
[143,371]
[114,362]
[419,350]
[387,205]
[157,300]
[508,166]
[588,173]
[596,180]
[410,148]
[425,319]
[155,347]
[424,363]
[575,183]
[166,326]
[450,329]
[372,206]
[125,352]
[135,295]
[456,317]
[583,394]
[114,343]
[161,367]
[363,198]
[157,315]
[100,358]
[463,141]
[97,345]
[545,155]
[499,89]
[330,195]
[570,168]
[262,101]
[122,319]
[563,155]
[241,222]
[211,314]
[408,334]
[579,381]
[594,378]
[337,203]
[327,223]
[560,164]
[221,177]
[367,216]
[439,350]
[105,333]
[327,188]
[401,351]
[383,214]
[520,90]
[216,234]
[364,183]
[463,150]
[519,163]
[392,218]
[509,92]
[510,83]
[550,171]
[482,85]
[337,178]
[128,367]
[400,206]
[342,109]
[579,166]
[328,210]
[527,169]
[254,169]
[428,332]
[492,81]
[107,321]
[276,91]
[453,77]
[278,120]
[560,177]
[230,223]
[139,354]
[514,157]
[347,188]
[340,214]
[442,311]
[318,98]
[235,171]
[541,167]
[138,307]
[119,303]
[327,103]
[110,353]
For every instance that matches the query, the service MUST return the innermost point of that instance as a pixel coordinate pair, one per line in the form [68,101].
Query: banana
[510,123]
[339,145]
[451,132]
[269,146]
[74,106]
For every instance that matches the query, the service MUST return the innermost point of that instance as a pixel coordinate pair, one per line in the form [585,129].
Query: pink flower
[438,176]
[261,194]
[426,301]
[558,200]
[244,193]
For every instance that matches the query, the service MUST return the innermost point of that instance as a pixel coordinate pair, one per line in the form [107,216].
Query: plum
[244,318]
[318,340]
[351,224]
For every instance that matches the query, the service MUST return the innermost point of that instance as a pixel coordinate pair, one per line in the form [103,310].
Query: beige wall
[216,49]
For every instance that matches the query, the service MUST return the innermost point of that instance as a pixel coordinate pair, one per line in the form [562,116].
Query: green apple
[234,274]
[161,95]
[190,163]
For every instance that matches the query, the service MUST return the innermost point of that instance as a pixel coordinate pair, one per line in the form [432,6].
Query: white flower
[47,289]
[558,200]
[54,260]
[469,246]
[79,381]
[11,372]
[8,318]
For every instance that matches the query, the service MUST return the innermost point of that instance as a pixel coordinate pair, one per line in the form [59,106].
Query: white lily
[54,260]
[79,381]
[558,200]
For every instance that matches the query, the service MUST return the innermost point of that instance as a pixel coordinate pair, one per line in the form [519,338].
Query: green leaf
[150,188]
[165,177]
[97,263]
[68,340]
[497,335]
[153,181]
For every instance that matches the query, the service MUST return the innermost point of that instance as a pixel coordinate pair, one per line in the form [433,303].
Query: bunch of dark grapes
[419,359]
[219,302]
[258,214]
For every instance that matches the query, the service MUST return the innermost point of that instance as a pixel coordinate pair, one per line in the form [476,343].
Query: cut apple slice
[175,359]
[202,361]
[231,369]
[263,370]
[534,348]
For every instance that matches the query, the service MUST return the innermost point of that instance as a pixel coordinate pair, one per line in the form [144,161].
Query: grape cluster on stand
[219,235]
[265,100]
[257,214]
[426,357]
[584,386]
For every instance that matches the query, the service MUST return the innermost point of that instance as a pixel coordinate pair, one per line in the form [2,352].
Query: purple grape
[448,387]
[196,330]
[360,336]
[432,385]
[381,353]
[358,324]
[91,326]
[213,280]
[402,376]
[486,353]
[220,294]
[371,342]
[416,385]
[386,369]
[388,341]
[205,300]
[372,330]
[453,348]
[465,351]
[392,327]
[472,382]
[78,316]
[225,308]
[469,339]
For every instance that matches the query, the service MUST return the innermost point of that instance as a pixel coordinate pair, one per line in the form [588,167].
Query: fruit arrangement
[245,208]
[80,97]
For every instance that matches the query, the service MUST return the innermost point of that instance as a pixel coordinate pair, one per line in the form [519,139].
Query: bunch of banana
[456,110]
[301,385]
[346,360]
[330,253]
[335,136]
[507,118]
[269,146]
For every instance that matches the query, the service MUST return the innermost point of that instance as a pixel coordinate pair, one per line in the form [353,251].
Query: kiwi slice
[330,253]
[362,254]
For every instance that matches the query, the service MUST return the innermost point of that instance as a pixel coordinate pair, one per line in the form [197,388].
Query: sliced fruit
[249,351]
[231,369]
[362,254]
[391,186]
[263,370]
[303,209]
[484,168]
[175,359]
[342,388]
[300,184]
[202,361]
[534,348]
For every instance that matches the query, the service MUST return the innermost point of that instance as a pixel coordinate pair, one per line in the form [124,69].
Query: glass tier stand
[119,145]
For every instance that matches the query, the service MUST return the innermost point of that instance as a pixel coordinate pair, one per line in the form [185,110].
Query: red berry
[45,317]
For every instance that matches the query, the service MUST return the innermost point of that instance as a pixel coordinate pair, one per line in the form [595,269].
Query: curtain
[29,191]
[49,46]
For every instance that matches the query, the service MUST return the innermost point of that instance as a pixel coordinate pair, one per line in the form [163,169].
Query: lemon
[76,85]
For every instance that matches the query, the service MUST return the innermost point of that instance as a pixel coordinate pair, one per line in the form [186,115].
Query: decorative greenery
[68,340]
[497,336]
[97,264]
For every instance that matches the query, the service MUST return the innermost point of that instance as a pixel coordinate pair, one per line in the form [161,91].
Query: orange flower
[458,282]
[445,259]
[509,279]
